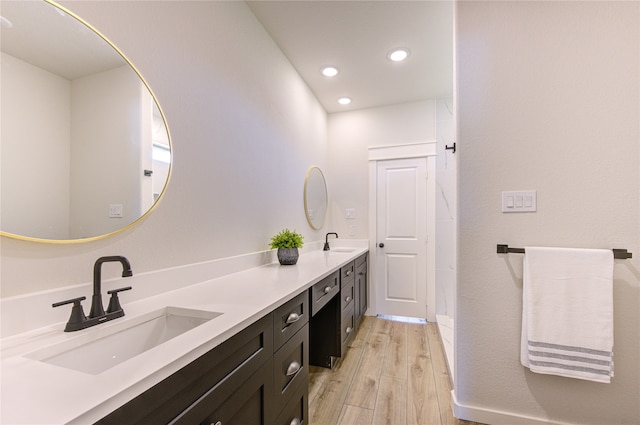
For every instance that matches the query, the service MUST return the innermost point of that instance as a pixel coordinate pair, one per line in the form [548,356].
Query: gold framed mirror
[315,198]
[86,152]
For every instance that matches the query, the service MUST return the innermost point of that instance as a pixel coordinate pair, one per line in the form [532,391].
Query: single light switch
[528,201]
[510,202]
[519,201]
[350,213]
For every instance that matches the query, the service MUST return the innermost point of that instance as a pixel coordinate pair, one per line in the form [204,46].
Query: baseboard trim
[495,417]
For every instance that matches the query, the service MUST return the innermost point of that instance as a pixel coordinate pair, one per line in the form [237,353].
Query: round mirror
[85,148]
[315,198]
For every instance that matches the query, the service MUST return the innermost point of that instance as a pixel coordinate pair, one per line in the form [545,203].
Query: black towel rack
[618,254]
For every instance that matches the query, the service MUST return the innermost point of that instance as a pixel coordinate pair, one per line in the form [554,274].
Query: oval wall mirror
[315,198]
[85,147]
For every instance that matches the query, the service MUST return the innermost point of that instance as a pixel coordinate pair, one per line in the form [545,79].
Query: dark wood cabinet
[296,411]
[257,376]
[334,320]
[231,403]
[324,324]
[291,360]
[290,318]
[324,291]
[261,375]
[361,286]
[347,296]
[229,365]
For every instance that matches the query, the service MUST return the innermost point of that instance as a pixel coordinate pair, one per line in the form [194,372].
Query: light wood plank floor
[393,373]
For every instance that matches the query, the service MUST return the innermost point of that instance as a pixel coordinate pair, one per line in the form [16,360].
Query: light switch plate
[519,201]
[350,213]
[115,211]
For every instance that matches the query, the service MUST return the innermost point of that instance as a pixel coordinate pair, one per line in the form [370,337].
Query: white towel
[567,315]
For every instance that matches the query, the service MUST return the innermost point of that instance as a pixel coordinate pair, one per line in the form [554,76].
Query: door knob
[381,245]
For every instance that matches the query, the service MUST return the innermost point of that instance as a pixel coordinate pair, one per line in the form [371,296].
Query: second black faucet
[326,241]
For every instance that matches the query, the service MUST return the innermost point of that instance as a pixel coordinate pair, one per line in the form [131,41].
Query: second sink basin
[343,249]
[94,354]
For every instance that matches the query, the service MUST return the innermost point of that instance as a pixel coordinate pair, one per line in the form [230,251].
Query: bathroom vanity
[247,364]
[260,375]
[338,303]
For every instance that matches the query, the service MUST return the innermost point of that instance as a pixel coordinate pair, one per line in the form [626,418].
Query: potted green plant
[287,242]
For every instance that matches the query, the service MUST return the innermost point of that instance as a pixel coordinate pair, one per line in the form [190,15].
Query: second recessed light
[398,55]
[329,71]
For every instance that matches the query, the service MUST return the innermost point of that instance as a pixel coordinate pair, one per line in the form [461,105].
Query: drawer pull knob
[348,273]
[293,368]
[348,299]
[349,329]
[216,423]
[327,289]
[292,318]
[295,421]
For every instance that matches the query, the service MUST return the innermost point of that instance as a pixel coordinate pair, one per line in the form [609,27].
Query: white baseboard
[495,417]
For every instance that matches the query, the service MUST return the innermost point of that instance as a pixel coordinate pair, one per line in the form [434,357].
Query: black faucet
[96,300]
[97,315]
[326,241]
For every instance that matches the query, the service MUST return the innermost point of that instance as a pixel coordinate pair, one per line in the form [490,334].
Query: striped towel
[567,317]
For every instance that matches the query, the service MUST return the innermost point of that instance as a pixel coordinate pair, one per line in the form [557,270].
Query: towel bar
[618,254]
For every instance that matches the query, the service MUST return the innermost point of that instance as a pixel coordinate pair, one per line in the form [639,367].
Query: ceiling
[41,35]
[355,37]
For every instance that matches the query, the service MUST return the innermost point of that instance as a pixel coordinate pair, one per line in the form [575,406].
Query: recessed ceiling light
[398,55]
[329,71]
[344,101]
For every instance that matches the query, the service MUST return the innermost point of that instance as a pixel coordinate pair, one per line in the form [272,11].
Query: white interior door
[401,237]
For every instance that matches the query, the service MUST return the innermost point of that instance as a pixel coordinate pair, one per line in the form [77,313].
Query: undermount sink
[93,354]
[347,250]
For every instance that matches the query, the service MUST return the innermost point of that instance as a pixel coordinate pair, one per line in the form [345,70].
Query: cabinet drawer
[290,318]
[296,411]
[291,366]
[361,288]
[362,267]
[232,402]
[347,328]
[323,291]
[347,296]
[239,356]
[347,271]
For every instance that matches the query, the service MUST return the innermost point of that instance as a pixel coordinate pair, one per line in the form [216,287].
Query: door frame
[402,151]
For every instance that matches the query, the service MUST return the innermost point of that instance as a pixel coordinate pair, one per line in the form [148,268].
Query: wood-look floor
[393,373]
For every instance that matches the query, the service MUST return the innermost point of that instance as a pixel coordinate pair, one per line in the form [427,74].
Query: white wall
[446,210]
[109,132]
[350,136]
[548,99]
[35,150]
[244,128]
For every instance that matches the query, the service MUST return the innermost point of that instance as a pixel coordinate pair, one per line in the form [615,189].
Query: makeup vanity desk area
[254,305]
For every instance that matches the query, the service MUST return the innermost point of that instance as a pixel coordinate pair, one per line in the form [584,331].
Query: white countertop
[35,392]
